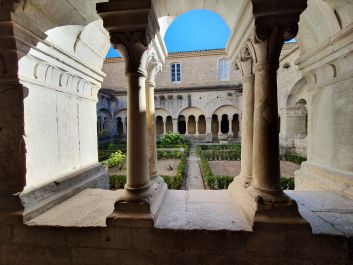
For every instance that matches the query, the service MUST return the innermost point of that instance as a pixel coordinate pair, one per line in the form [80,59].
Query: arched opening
[202,124]
[224,124]
[120,128]
[214,125]
[302,122]
[181,124]
[159,125]
[235,126]
[169,124]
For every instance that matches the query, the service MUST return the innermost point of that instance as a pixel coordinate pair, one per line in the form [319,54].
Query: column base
[142,212]
[313,176]
[274,212]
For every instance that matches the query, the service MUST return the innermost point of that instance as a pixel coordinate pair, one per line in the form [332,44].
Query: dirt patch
[225,168]
[166,167]
[232,168]
[288,168]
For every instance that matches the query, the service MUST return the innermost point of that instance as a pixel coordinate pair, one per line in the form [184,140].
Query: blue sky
[194,30]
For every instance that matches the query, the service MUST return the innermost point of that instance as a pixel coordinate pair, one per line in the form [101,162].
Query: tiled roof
[113,60]
[185,54]
[198,53]
[289,46]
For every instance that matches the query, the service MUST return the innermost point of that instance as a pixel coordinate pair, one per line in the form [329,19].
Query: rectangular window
[176,72]
[223,70]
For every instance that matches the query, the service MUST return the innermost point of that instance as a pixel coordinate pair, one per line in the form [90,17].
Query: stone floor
[88,208]
[200,209]
[194,179]
[327,212]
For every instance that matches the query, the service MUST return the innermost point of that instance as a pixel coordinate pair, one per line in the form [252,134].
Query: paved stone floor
[200,209]
[194,179]
[327,212]
[89,208]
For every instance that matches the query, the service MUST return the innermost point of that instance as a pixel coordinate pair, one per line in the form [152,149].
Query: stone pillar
[269,37]
[151,130]
[208,125]
[246,66]
[186,125]
[220,125]
[230,131]
[196,125]
[165,125]
[124,122]
[175,125]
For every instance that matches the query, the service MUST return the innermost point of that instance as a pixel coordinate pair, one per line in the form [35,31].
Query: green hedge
[230,147]
[170,154]
[212,182]
[173,182]
[221,154]
[287,183]
[294,158]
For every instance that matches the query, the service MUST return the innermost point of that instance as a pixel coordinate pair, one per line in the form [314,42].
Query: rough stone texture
[182,240]
[327,212]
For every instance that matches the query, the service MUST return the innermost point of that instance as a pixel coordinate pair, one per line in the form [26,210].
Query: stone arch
[163,113]
[297,92]
[213,105]
[192,111]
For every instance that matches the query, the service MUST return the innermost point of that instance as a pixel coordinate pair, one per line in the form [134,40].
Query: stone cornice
[182,90]
[336,46]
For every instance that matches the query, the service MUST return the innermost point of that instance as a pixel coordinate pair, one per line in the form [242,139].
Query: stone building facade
[204,105]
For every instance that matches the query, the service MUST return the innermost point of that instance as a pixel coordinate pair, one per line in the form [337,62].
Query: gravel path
[194,177]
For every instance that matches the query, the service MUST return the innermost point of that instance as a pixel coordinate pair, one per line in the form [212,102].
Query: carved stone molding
[59,79]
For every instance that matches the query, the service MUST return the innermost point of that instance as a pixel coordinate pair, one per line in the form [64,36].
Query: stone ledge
[48,196]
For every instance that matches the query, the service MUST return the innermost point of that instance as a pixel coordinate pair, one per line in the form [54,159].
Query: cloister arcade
[51,56]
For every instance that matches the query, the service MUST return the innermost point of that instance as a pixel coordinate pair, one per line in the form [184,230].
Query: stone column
[230,131]
[186,125]
[208,125]
[124,122]
[165,125]
[175,125]
[220,125]
[196,125]
[151,129]
[269,37]
[245,64]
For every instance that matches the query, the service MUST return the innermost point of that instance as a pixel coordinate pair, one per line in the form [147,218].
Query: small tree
[172,139]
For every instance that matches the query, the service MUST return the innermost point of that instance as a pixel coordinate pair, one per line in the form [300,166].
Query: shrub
[297,159]
[117,182]
[172,139]
[115,159]
[211,181]
[224,181]
[287,183]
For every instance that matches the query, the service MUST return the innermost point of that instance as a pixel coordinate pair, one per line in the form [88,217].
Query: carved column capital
[154,67]
[131,31]
[245,62]
[269,37]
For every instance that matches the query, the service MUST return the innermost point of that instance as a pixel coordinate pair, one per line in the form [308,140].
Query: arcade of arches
[55,202]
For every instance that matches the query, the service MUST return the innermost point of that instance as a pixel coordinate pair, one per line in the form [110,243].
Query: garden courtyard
[192,167]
